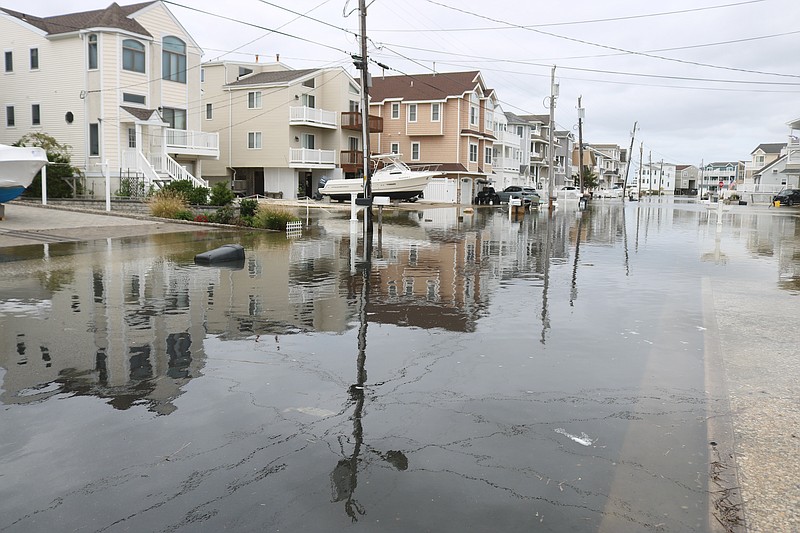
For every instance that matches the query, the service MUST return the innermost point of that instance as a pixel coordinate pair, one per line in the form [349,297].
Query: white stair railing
[151,177]
[177,172]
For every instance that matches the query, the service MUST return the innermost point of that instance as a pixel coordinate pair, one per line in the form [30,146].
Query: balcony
[351,160]
[507,138]
[311,116]
[793,155]
[310,158]
[506,164]
[196,143]
[351,120]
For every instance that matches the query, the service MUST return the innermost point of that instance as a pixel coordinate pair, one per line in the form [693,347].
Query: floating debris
[583,440]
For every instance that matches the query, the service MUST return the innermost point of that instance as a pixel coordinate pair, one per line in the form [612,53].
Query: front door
[258,182]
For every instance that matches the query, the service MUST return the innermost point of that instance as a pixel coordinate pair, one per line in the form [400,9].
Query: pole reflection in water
[548,243]
[344,478]
[573,294]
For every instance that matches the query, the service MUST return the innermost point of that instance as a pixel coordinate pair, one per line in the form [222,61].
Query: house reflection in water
[128,323]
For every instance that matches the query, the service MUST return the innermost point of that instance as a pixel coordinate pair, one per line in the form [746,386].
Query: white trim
[257,140]
[39,125]
[438,106]
[5,116]
[408,113]
[257,101]
[38,59]
[469,153]
[391,111]
[419,151]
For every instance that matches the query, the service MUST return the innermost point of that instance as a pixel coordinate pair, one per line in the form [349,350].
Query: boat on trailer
[18,166]
[394,179]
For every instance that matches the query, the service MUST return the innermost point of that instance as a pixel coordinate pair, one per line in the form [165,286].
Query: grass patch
[167,204]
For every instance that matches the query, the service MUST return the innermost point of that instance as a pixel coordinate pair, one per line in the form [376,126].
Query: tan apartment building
[119,85]
[443,121]
[282,130]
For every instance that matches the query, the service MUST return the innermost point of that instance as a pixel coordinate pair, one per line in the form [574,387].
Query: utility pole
[366,81]
[641,164]
[660,173]
[580,143]
[551,170]
[630,160]
[650,171]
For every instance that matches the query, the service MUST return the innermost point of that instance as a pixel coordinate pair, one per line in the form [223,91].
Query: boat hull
[399,187]
[18,166]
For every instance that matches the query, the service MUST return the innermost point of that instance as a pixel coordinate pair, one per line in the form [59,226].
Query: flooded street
[464,372]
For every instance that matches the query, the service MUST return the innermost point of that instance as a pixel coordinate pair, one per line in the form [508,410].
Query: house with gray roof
[283,130]
[761,156]
[118,84]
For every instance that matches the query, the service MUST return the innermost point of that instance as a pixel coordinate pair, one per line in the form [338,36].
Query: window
[132,55]
[412,112]
[36,116]
[209,111]
[92,51]
[435,112]
[173,59]
[309,83]
[395,110]
[10,120]
[244,71]
[520,131]
[94,139]
[254,140]
[415,151]
[395,148]
[202,75]
[133,98]
[131,137]
[34,59]
[176,118]
[9,61]
[473,116]
[354,106]
[308,141]
[487,156]
[254,100]
[354,89]
[309,100]
[473,153]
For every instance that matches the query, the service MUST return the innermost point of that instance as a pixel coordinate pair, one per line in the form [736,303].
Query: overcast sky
[705,79]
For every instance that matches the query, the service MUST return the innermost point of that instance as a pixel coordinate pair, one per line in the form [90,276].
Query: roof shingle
[422,87]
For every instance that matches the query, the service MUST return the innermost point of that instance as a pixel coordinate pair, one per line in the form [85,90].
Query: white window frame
[209,111]
[473,115]
[473,153]
[436,112]
[92,51]
[30,58]
[395,110]
[394,148]
[412,112]
[415,147]
[254,140]
[487,155]
[134,53]
[253,99]
[13,109]
[306,137]
[8,61]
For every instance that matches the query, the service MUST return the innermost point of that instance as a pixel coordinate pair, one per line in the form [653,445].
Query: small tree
[60,167]
[221,194]
[589,178]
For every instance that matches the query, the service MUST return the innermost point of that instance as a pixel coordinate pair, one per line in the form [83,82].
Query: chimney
[277,58]
[256,58]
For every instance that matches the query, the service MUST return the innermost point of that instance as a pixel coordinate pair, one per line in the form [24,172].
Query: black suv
[787,197]
[487,196]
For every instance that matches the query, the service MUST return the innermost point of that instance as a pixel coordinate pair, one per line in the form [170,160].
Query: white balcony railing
[191,142]
[311,157]
[506,164]
[507,138]
[311,116]
[793,153]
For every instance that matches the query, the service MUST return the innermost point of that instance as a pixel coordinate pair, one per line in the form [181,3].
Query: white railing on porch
[191,140]
[151,166]
[312,115]
[151,177]
[308,156]
[793,153]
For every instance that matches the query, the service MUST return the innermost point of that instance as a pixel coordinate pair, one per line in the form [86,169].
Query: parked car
[787,197]
[487,196]
[528,194]
[613,192]
[568,192]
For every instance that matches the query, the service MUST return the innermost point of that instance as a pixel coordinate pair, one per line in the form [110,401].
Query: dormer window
[173,59]
[309,83]
[133,56]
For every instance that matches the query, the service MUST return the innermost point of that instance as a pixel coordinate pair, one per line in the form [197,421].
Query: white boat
[18,166]
[395,180]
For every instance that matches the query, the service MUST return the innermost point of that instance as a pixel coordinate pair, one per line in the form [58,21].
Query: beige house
[282,130]
[763,155]
[442,121]
[120,85]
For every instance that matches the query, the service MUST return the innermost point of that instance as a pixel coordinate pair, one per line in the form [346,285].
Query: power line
[608,47]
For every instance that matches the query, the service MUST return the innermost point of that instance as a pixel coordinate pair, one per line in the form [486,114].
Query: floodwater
[469,372]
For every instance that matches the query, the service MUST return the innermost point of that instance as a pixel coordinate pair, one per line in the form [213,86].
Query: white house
[120,85]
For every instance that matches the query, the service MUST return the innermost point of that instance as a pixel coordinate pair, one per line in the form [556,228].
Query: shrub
[59,169]
[223,215]
[248,207]
[184,215]
[201,218]
[194,195]
[246,221]
[221,194]
[166,204]
[272,218]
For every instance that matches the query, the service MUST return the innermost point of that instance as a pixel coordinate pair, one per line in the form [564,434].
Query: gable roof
[766,167]
[544,119]
[421,87]
[114,16]
[273,77]
[769,148]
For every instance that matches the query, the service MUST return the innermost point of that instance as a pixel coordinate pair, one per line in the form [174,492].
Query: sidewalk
[26,224]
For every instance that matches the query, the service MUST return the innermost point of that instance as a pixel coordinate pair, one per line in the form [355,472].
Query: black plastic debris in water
[226,253]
